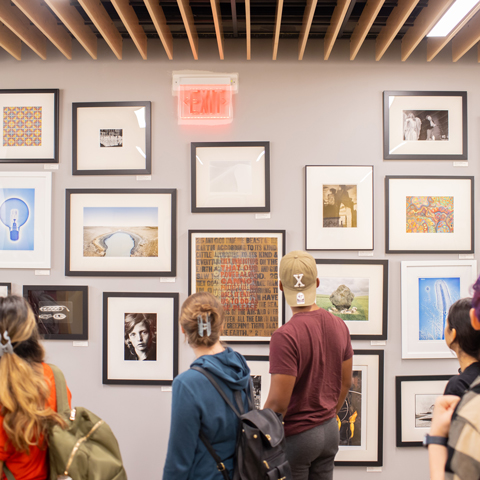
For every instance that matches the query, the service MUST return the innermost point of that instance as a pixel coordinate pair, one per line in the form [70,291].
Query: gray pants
[311,453]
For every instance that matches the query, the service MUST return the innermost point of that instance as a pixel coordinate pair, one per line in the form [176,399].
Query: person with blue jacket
[196,405]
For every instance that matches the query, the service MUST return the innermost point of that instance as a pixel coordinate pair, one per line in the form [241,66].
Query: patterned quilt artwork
[429,214]
[22,126]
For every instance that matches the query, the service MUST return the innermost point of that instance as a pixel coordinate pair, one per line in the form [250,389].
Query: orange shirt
[33,466]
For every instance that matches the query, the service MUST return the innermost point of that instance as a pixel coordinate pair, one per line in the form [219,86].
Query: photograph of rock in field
[346,298]
[120,232]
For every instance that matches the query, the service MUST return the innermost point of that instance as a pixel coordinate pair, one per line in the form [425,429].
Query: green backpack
[86,449]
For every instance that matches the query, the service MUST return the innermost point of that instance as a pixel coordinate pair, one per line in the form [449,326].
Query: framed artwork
[357,292]
[259,366]
[414,400]
[425,125]
[428,291]
[140,338]
[29,126]
[25,219]
[361,417]
[429,214]
[230,177]
[121,232]
[5,289]
[61,312]
[112,138]
[241,269]
[338,207]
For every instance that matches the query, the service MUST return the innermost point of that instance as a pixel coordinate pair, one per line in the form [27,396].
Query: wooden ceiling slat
[278,23]
[104,24]
[466,39]
[306,25]
[130,20]
[70,17]
[436,44]
[334,27]
[217,20]
[160,22]
[187,17]
[249,29]
[10,42]
[46,22]
[368,16]
[425,21]
[395,22]
[18,23]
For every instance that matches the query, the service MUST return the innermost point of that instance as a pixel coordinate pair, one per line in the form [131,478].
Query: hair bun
[205,307]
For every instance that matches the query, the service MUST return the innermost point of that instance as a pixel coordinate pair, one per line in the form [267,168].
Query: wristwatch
[432,440]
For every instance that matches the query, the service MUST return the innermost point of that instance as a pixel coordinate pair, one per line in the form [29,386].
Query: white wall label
[374,469]
[379,342]
[82,343]
[166,389]
[261,216]
[144,177]
[460,164]
[167,279]
[365,254]
[466,256]
[50,166]
[42,272]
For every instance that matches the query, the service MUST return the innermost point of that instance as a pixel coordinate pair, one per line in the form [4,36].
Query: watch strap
[434,440]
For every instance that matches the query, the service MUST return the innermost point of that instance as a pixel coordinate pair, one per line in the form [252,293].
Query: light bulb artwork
[14,212]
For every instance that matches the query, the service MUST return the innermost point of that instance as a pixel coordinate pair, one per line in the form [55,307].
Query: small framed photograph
[29,126]
[259,371]
[121,232]
[414,400]
[140,338]
[61,312]
[230,177]
[240,268]
[429,214]
[360,418]
[339,207]
[5,289]
[428,291]
[25,219]
[357,292]
[425,125]
[112,138]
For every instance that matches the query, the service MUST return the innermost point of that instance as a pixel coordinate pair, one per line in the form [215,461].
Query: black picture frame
[165,200]
[449,108]
[166,308]
[377,281]
[422,380]
[233,297]
[456,222]
[51,101]
[58,299]
[375,409]
[203,179]
[90,142]
[8,286]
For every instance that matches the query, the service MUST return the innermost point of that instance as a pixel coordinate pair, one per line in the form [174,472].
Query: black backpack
[260,451]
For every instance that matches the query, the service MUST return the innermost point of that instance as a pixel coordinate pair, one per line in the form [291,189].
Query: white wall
[312,112]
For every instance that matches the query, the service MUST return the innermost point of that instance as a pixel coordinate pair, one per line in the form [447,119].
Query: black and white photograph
[140,336]
[339,206]
[260,376]
[424,409]
[257,390]
[111,137]
[425,125]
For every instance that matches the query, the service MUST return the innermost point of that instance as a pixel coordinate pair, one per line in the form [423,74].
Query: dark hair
[476,297]
[466,338]
[133,319]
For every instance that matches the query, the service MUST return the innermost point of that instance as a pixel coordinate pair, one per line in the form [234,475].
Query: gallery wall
[313,113]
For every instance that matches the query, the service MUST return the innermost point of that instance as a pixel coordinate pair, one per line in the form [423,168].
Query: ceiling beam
[306,26]
[18,23]
[46,22]
[104,24]
[425,21]
[466,38]
[187,17]
[130,20]
[436,44]
[217,20]
[395,22]
[10,42]
[249,29]
[368,16]
[278,23]
[334,27]
[160,22]
[72,19]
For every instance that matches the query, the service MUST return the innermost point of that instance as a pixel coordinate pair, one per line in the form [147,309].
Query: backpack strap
[220,466]
[8,473]
[60,390]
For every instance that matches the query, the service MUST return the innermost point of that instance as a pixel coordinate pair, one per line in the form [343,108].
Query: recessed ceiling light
[452,18]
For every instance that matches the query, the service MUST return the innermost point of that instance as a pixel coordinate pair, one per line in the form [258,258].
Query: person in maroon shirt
[311,367]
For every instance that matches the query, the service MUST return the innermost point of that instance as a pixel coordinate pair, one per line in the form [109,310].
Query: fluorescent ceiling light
[452,18]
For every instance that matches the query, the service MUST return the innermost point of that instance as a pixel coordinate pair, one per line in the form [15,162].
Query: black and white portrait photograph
[140,336]
[427,125]
[339,206]
[257,391]
[111,137]
[424,409]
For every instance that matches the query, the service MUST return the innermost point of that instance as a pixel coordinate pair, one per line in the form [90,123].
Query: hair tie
[204,326]
[7,348]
